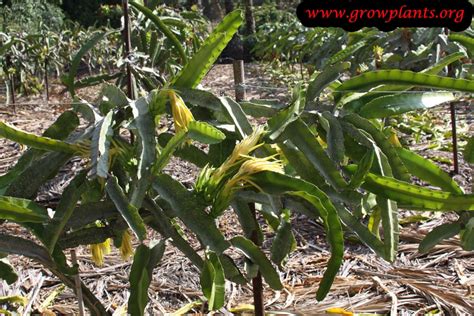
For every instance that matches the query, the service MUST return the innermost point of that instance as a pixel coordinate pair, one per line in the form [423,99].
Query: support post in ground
[128,44]
[257,283]
[46,81]
[12,92]
[239,80]
[78,286]
[452,107]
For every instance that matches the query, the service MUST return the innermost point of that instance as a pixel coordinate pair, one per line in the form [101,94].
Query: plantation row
[327,155]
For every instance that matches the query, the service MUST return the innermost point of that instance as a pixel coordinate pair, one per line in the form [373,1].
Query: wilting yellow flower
[181,114]
[99,251]
[252,166]
[126,249]
[243,148]
[210,179]
[244,177]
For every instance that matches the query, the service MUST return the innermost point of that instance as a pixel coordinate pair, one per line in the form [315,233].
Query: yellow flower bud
[126,248]
[181,114]
[98,251]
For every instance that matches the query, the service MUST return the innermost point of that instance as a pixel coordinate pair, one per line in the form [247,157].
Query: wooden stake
[12,92]
[128,45]
[239,80]
[452,109]
[257,283]
[77,281]
[46,82]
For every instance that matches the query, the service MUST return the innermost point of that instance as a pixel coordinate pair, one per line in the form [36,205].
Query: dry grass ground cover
[416,284]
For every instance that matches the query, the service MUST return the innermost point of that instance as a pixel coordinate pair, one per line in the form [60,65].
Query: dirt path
[414,283]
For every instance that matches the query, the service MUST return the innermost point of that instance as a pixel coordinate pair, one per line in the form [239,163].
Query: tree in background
[249,18]
[212,10]
[29,15]
[93,12]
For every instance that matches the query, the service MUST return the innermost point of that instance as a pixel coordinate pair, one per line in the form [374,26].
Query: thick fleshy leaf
[390,105]
[437,235]
[100,146]
[38,142]
[163,28]
[112,97]
[19,246]
[276,183]
[21,210]
[27,184]
[231,271]
[65,124]
[128,211]
[362,169]
[233,110]
[173,144]
[186,152]
[213,281]
[205,133]
[467,236]
[64,211]
[396,164]
[284,241]
[95,80]
[404,77]
[193,72]
[428,171]
[191,211]
[262,108]
[354,102]
[278,124]
[254,253]
[323,79]
[346,52]
[163,225]
[469,151]
[334,138]
[300,135]
[139,281]
[7,273]
[389,216]
[68,79]
[416,197]
[246,219]
[364,234]
[464,40]
[146,131]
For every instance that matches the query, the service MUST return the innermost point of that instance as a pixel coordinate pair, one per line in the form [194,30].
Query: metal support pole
[239,80]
